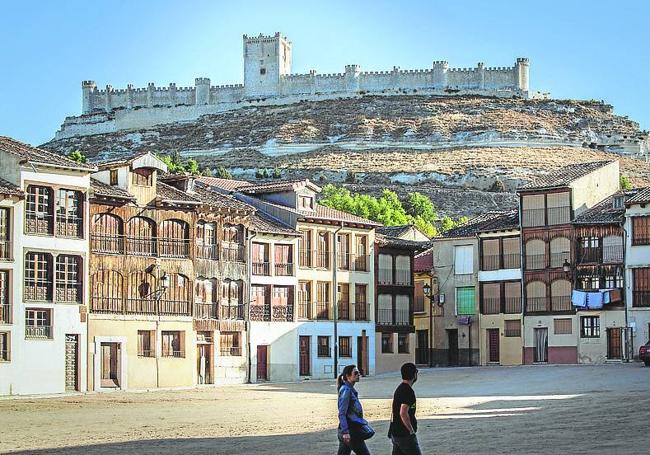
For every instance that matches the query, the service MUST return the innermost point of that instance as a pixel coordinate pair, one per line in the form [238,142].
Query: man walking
[403,424]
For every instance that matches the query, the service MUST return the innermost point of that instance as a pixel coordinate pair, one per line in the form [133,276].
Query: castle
[268,80]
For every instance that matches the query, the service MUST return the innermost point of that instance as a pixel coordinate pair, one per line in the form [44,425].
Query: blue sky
[584,50]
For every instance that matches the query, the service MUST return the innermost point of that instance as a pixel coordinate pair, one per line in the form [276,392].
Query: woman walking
[353,428]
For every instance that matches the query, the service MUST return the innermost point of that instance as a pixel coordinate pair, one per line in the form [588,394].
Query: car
[644,353]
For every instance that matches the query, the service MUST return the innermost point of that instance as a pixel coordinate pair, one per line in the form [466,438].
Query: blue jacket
[349,408]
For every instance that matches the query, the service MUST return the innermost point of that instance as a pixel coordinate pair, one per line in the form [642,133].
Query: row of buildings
[563,279]
[117,275]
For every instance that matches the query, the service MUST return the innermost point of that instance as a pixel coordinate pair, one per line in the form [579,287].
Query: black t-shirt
[404,394]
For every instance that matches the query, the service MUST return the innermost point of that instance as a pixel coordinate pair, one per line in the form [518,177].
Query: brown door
[614,343]
[110,364]
[262,363]
[204,363]
[452,355]
[362,354]
[305,361]
[493,345]
[71,362]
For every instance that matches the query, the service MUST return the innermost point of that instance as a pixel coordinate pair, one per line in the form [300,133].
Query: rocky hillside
[488,146]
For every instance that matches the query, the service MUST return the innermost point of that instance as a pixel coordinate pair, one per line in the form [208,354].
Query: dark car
[644,353]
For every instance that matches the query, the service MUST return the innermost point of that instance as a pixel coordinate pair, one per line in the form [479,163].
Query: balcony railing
[141,246]
[535,261]
[69,226]
[306,258]
[5,313]
[385,316]
[491,305]
[230,351]
[304,310]
[361,311]
[38,292]
[261,268]
[106,305]
[322,310]
[283,268]
[532,217]
[511,261]
[588,255]
[536,304]
[323,259]
[162,307]
[403,277]
[109,244]
[38,223]
[490,261]
[173,353]
[38,332]
[343,261]
[174,248]
[361,262]
[557,259]
[612,254]
[641,298]
[69,293]
[559,215]
[206,310]
[231,311]
[513,305]
[282,312]
[232,252]
[561,303]
[385,275]
[6,250]
[260,312]
[343,310]
[207,252]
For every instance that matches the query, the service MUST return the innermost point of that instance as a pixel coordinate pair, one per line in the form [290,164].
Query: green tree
[625,182]
[224,173]
[192,167]
[77,156]
[417,204]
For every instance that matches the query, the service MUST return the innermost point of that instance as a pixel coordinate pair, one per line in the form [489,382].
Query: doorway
[71,363]
[362,354]
[614,344]
[541,345]
[452,354]
[304,347]
[204,363]
[422,348]
[493,345]
[110,374]
[262,363]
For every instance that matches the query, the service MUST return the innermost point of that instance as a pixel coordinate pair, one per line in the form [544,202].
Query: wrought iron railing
[361,311]
[536,304]
[231,311]
[343,310]
[37,292]
[141,246]
[172,353]
[323,259]
[261,268]
[322,310]
[207,252]
[305,258]
[232,252]
[385,275]
[109,244]
[557,259]
[491,305]
[41,331]
[206,310]
[613,254]
[283,268]
[260,312]
[532,217]
[282,312]
[535,261]
[561,303]
[385,316]
[513,305]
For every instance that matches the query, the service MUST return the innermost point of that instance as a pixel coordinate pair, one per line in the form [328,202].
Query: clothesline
[594,300]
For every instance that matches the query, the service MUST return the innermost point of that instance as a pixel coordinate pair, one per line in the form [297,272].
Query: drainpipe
[335,294]
[628,338]
[249,274]
[430,298]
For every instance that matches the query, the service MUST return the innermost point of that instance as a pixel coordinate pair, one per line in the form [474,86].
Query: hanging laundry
[615,296]
[579,299]
[594,300]
[606,296]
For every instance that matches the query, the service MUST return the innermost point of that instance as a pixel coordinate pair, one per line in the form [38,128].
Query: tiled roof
[396,242]
[121,161]
[486,222]
[603,212]
[215,199]
[226,184]
[423,262]
[9,189]
[642,197]
[169,194]
[394,231]
[564,176]
[40,156]
[327,213]
[262,223]
[101,189]
[275,187]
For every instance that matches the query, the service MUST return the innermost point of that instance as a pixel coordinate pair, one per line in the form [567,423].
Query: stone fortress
[268,81]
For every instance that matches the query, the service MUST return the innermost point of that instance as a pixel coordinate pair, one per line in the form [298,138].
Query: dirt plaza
[534,409]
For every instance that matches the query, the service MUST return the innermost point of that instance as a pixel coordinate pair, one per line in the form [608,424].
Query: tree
[224,173]
[77,156]
[418,204]
[625,182]
[192,167]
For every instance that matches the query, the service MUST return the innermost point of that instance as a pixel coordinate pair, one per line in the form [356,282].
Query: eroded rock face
[435,145]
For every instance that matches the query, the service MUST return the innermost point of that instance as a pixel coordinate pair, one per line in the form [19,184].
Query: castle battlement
[268,78]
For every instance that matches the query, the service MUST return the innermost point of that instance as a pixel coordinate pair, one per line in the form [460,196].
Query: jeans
[406,445]
[356,446]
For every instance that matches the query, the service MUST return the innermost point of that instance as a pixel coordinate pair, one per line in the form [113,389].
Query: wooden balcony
[37,223]
[69,226]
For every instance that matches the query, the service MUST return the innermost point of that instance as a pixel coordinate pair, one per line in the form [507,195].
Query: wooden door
[362,355]
[422,349]
[614,343]
[110,365]
[452,355]
[71,362]
[493,345]
[262,363]
[204,363]
[304,354]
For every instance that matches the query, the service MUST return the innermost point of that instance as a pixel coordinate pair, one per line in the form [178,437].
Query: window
[558,208]
[304,245]
[142,177]
[361,262]
[39,210]
[512,296]
[172,344]
[324,347]
[402,316]
[322,300]
[512,328]
[262,71]
[69,211]
[360,302]
[535,254]
[174,239]
[613,249]
[385,269]
[387,343]
[511,253]
[641,287]
[206,241]
[282,303]
[343,301]
[260,259]
[464,260]
[5,234]
[304,300]
[323,250]
[231,300]
[113,177]
[68,278]
[641,230]
[589,249]
[561,295]
[233,243]
[5,302]
[305,203]
[536,300]
[146,343]
[141,236]
[403,343]
[5,347]
[38,277]
[384,309]
[38,323]
[465,300]
[491,298]
[418,304]
[590,327]
[532,210]
[490,254]
[614,278]
[107,292]
[283,260]
[403,270]
[107,234]
[563,326]
[230,344]
[345,346]
[560,251]
[343,251]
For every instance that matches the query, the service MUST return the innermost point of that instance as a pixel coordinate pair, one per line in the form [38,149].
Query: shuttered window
[641,230]
[465,300]
[463,260]
[563,326]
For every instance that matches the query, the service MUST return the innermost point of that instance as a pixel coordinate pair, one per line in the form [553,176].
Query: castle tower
[352,78]
[87,90]
[202,91]
[521,74]
[266,58]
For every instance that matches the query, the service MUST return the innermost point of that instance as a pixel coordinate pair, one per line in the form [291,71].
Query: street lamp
[164,281]
[566,266]
[426,289]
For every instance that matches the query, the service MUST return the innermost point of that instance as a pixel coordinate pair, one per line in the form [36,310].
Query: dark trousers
[406,445]
[356,446]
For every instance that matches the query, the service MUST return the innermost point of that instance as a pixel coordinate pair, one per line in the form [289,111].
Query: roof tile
[564,176]
[40,156]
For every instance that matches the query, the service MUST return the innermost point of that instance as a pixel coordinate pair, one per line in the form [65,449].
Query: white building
[45,292]
[637,267]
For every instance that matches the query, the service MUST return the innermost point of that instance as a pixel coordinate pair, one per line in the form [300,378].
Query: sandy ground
[547,409]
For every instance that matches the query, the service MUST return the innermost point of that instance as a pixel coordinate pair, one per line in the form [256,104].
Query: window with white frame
[463,259]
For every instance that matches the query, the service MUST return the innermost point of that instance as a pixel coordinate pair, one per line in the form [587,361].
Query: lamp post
[427,293]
